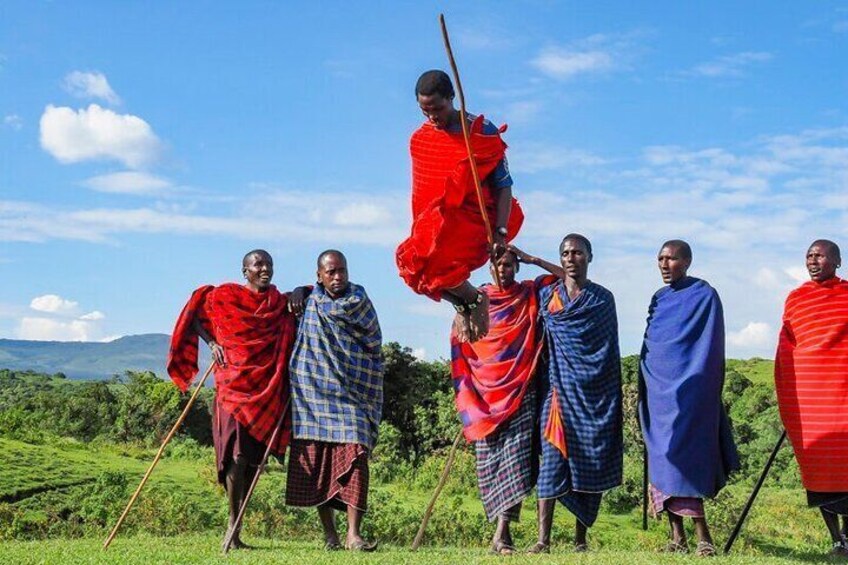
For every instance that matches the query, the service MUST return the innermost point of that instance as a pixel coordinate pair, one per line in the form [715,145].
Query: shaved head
[681,246]
[831,247]
[434,82]
[331,253]
[246,259]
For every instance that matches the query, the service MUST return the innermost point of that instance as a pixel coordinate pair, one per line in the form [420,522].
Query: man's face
[258,270]
[437,109]
[506,266]
[332,274]
[821,262]
[672,264]
[575,259]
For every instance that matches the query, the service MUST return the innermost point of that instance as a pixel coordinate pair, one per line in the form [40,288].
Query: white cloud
[362,214]
[53,303]
[96,133]
[13,121]
[730,65]
[90,85]
[48,329]
[129,182]
[93,316]
[753,335]
[596,54]
[534,158]
[420,353]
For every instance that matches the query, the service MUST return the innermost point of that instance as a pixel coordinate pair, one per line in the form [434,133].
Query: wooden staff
[645,487]
[229,541]
[753,496]
[419,537]
[159,455]
[467,136]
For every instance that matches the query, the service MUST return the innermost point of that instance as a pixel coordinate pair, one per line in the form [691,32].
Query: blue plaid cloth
[585,369]
[507,462]
[337,369]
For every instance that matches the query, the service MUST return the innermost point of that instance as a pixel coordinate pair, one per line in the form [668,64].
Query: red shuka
[811,376]
[491,375]
[257,333]
[448,238]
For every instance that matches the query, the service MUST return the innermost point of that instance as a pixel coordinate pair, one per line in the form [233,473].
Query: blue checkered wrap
[337,369]
[584,367]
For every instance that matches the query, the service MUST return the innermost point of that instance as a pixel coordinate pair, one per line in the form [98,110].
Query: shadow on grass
[772,549]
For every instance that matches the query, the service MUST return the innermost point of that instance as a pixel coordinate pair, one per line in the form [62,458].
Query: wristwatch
[502,230]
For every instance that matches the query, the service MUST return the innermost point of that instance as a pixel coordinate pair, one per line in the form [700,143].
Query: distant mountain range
[90,360]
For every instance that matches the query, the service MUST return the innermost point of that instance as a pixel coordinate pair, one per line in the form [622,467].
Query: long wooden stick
[159,455]
[419,537]
[467,136]
[645,487]
[232,533]
[753,496]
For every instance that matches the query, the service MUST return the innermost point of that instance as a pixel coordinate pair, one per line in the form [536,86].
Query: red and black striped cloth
[257,332]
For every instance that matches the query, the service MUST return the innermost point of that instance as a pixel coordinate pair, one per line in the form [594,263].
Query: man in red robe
[496,398]
[250,329]
[448,239]
[811,376]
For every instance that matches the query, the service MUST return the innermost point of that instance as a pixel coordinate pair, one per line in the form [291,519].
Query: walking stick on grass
[645,487]
[419,537]
[159,455]
[753,496]
[467,136]
[231,534]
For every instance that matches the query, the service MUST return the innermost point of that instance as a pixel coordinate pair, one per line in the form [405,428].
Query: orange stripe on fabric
[555,428]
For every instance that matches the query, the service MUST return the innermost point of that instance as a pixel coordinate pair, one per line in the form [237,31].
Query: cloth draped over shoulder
[492,375]
[257,333]
[584,374]
[686,429]
[811,377]
[337,369]
[448,239]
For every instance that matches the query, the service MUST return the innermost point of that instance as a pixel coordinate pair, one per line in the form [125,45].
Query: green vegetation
[74,452]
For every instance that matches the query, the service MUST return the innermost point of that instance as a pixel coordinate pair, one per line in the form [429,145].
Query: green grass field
[206,549]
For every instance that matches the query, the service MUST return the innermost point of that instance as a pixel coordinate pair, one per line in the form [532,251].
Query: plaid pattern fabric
[507,463]
[331,473]
[337,369]
[555,479]
[681,505]
[585,370]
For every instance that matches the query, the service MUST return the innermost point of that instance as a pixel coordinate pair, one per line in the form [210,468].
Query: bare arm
[217,351]
[503,208]
[531,260]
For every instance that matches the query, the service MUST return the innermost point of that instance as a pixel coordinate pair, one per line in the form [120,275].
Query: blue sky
[144,147]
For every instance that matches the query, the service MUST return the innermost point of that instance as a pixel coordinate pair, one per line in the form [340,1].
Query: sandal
[332,546]
[705,549]
[581,547]
[675,547]
[539,547]
[362,545]
[840,549]
[502,548]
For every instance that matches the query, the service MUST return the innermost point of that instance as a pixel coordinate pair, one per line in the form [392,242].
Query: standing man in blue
[581,422]
[337,402]
[687,433]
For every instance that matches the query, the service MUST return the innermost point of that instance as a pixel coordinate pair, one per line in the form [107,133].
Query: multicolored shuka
[687,433]
[448,239]
[495,396]
[257,332]
[491,375]
[337,369]
[811,376]
[582,443]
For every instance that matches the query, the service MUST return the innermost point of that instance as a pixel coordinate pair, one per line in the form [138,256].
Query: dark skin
[440,112]
[822,260]
[333,276]
[573,270]
[506,265]
[258,271]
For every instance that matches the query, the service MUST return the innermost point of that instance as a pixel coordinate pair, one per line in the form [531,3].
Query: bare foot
[461,327]
[478,321]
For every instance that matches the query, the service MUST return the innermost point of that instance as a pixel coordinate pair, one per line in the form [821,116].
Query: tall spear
[158,456]
[467,136]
